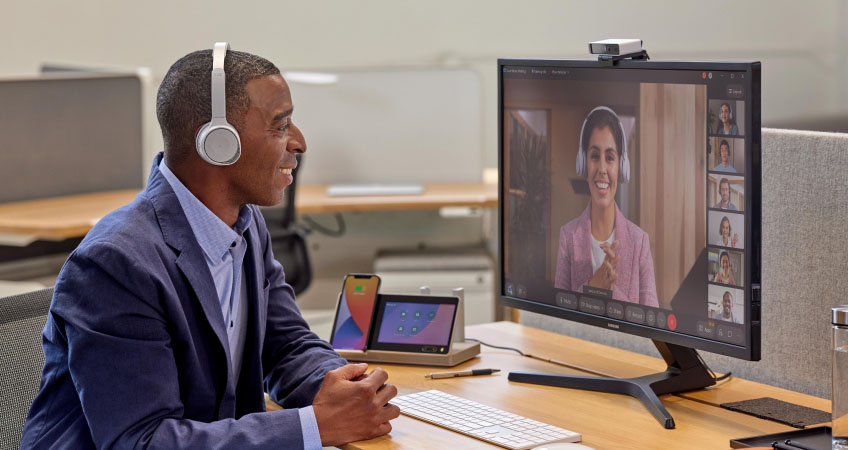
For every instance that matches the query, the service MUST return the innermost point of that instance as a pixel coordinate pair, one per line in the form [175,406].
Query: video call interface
[624,195]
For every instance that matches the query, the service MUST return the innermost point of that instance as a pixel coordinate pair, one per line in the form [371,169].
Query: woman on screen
[601,248]
[723,275]
[725,231]
[726,125]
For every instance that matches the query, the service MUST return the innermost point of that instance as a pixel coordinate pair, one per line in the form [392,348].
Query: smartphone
[355,311]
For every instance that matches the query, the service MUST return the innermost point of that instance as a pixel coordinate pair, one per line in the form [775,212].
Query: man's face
[724,152]
[726,305]
[724,189]
[269,143]
[602,166]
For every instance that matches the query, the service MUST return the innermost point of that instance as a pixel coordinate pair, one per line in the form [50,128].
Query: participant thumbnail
[726,229]
[726,304]
[726,154]
[726,267]
[726,192]
[726,117]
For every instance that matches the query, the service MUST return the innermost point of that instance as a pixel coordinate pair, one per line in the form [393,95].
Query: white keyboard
[480,421]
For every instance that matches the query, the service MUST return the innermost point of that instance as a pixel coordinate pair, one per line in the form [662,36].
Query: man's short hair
[184,101]
[724,181]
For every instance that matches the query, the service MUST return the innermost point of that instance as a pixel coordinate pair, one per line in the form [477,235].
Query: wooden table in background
[606,421]
[72,216]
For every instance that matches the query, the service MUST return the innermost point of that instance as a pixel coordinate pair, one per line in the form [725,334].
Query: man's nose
[297,143]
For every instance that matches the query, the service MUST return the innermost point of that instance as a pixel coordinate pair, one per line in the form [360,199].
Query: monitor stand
[685,372]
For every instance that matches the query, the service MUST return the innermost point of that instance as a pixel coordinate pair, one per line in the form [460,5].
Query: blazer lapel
[625,250]
[249,395]
[583,250]
[177,233]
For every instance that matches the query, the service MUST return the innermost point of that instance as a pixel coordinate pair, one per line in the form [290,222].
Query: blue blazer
[135,346]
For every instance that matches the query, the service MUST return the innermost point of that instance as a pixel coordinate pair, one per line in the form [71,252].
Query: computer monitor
[630,200]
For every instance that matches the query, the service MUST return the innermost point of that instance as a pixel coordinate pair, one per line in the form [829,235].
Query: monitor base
[685,372]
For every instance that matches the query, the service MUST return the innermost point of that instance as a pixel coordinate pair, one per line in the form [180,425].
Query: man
[727,308]
[724,190]
[172,316]
[724,154]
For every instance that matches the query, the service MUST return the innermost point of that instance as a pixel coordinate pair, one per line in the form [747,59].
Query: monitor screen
[630,197]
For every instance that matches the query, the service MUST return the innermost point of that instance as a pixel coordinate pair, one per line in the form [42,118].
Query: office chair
[22,319]
[289,241]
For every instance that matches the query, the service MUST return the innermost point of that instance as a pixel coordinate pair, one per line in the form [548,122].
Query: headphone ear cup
[624,169]
[218,144]
[581,163]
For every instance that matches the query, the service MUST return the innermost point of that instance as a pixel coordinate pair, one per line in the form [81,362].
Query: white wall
[802,44]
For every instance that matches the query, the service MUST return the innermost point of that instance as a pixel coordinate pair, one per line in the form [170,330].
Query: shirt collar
[213,235]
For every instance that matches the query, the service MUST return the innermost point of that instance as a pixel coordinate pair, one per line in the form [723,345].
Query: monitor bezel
[753,183]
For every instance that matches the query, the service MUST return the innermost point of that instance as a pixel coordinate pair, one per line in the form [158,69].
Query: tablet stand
[460,350]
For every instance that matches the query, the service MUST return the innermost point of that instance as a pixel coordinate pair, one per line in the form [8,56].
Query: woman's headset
[217,141]
[624,161]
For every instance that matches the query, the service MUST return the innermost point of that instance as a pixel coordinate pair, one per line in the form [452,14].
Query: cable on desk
[545,359]
[715,378]
[606,375]
[312,225]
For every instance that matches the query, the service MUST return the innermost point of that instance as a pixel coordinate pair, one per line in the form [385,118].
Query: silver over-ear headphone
[624,161]
[217,141]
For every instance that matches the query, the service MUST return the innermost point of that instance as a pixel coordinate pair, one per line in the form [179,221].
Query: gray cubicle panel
[69,134]
[805,258]
[392,126]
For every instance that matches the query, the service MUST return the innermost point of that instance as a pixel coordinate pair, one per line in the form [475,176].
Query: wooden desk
[72,216]
[606,421]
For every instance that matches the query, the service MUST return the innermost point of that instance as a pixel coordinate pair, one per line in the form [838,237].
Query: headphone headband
[219,81]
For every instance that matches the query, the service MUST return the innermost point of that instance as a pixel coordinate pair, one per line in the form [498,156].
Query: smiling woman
[601,248]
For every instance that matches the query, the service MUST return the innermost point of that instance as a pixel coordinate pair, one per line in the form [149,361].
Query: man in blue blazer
[172,317]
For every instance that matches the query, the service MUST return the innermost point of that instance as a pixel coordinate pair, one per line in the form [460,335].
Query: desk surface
[72,216]
[606,421]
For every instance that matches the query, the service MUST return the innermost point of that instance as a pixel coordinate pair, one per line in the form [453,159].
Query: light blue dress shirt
[729,168]
[224,249]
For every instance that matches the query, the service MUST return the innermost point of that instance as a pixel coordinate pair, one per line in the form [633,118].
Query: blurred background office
[415,96]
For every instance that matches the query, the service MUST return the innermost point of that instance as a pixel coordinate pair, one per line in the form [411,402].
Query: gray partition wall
[70,134]
[805,259]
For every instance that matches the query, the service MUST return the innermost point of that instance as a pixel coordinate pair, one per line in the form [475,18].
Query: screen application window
[416,323]
[631,185]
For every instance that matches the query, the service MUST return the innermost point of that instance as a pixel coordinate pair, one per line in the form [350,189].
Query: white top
[598,255]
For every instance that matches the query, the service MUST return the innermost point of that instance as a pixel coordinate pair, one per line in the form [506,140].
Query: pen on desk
[464,373]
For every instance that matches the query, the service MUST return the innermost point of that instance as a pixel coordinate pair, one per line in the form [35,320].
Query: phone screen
[356,308]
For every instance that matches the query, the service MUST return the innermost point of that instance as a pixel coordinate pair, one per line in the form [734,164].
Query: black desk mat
[779,411]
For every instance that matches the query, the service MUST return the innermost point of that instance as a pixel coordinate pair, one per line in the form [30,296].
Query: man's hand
[352,406]
[605,276]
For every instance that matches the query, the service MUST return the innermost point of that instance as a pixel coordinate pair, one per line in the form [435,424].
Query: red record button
[672,322]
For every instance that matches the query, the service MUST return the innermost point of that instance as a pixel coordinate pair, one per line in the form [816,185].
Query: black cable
[715,378]
[497,347]
[315,226]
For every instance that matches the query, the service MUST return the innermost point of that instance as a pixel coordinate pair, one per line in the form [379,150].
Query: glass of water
[839,386]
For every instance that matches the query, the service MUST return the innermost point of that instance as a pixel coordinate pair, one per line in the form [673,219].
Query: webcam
[615,47]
